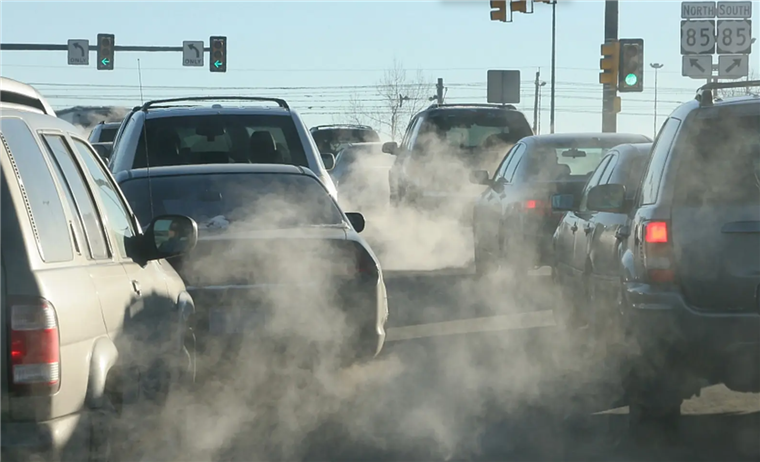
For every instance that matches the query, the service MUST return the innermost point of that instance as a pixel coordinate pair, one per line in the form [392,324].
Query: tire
[654,400]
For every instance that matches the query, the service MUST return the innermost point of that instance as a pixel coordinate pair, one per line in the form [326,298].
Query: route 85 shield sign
[698,37]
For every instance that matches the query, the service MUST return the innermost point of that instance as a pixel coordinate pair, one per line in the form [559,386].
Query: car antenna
[145,140]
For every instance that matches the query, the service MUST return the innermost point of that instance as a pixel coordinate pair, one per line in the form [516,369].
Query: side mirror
[606,198]
[480,177]
[170,236]
[390,147]
[563,202]
[357,221]
[104,149]
[329,161]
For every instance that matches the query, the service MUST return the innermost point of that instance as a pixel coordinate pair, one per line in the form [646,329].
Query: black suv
[690,295]
[442,144]
[331,139]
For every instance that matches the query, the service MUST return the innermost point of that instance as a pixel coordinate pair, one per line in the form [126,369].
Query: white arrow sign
[79,52]
[192,53]
[697,67]
[734,36]
[733,66]
[698,37]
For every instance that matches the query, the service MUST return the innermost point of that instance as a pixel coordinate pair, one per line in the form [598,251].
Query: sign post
[702,36]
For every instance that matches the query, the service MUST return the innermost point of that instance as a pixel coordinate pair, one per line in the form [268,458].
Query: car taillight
[34,346]
[537,206]
[658,252]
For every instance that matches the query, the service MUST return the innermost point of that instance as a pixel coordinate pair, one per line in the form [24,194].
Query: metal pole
[554,60]
[609,116]
[439,91]
[656,67]
[535,103]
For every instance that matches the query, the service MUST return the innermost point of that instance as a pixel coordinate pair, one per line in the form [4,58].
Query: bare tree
[741,91]
[397,97]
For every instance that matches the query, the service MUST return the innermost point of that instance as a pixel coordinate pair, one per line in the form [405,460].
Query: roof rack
[491,105]
[342,125]
[705,92]
[280,102]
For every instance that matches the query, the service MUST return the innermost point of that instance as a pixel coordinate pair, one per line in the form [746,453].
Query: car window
[412,139]
[650,186]
[593,181]
[471,129]
[614,157]
[717,145]
[119,217]
[634,170]
[63,158]
[516,156]
[260,200]
[502,168]
[44,205]
[220,138]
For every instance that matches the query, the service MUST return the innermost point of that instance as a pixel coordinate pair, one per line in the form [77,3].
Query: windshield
[220,138]
[715,148]
[468,129]
[260,200]
[331,141]
[557,161]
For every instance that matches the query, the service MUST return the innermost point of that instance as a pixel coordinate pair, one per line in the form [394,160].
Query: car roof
[210,169]
[686,108]
[569,138]
[18,95]
[182,111]
[634,148]
[342,126]
[38,121]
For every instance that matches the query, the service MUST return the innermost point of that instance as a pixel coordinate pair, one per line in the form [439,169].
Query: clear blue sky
[318,54]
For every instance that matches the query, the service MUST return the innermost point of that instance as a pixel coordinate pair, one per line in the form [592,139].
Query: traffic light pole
[56,47]
[554,60]
[609,115]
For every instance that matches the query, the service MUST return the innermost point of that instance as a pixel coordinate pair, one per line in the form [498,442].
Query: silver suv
[90,308]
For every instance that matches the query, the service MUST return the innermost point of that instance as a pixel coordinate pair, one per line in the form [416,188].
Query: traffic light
[609,63]
[105,52]
[499,10]
[218,61]
[520,6]
[631,71]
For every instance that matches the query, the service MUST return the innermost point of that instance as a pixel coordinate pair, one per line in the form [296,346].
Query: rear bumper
[67,437]
[723,346]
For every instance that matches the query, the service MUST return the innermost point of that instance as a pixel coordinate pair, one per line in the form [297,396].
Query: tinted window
[262,200]
[593,181]
[107,134]
[516,156]
[119,220]
[502,169]
[634,171]
[220,139]
[44,202]
[334,139]
[473,128]
[64,160]
[554,162]
[614,158]
[719,160]
[650,186]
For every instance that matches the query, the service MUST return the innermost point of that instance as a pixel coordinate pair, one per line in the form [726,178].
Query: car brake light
[34,346]
[531,204]
[658,252]
[537,206]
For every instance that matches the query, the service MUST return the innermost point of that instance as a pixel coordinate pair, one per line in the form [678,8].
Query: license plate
[235,321]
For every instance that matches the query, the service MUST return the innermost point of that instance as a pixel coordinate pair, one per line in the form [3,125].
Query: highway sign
[733,66]
[698,37]
[697,10]
[503,87]
[734,36]
[737,10]
[79,52]
[697,66]
[192,53]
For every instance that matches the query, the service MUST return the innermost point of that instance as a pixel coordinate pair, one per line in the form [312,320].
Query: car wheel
[654,401]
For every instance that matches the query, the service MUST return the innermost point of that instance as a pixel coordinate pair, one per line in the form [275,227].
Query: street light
[656,67]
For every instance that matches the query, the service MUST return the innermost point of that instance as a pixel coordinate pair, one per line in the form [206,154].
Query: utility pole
[554,60]
[656,67]
[535,102]
[609,92]
[439,90]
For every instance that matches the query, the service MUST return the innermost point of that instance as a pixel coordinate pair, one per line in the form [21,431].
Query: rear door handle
[574,228]
[136,288]
[588,228]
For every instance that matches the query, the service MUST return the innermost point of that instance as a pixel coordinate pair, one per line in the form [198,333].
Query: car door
[487,211]
[153,325]
[583,224]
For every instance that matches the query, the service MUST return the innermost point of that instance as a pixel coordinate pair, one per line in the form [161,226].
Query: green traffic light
[631,80]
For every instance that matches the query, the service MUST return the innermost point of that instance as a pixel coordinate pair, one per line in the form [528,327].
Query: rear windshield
[719,159]
[334,139]
[106,135]
[554,162]
[220,139]
[262,200]
[474,129]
